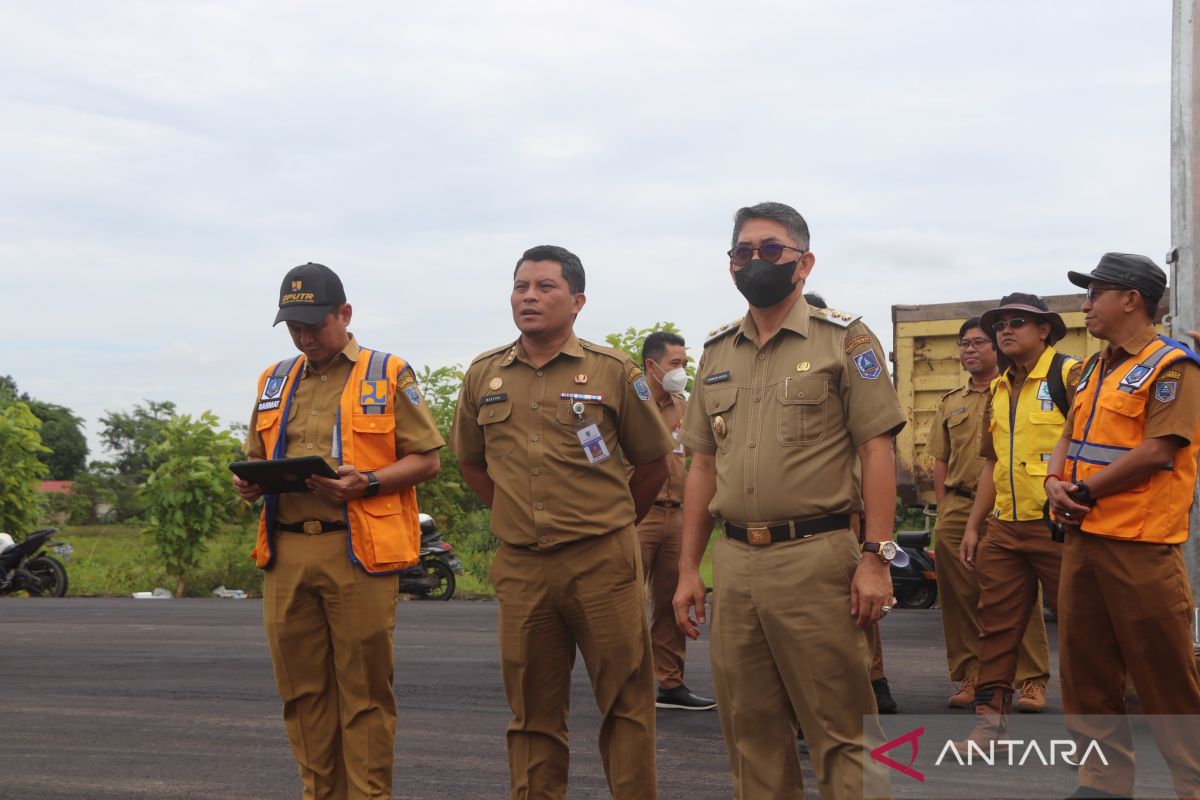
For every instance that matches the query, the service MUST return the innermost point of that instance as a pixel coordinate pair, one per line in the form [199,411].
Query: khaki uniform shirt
[1175,417]
[311,419]
[672,414]
[952,435]
[511,417]
[785,420]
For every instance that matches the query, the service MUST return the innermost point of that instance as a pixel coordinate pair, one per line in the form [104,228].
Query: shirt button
[538,506]
[324,377]
[533,405]
[314,412]
[543,540]
[539,373]
[762,356]
[535,437]
[537,471]
[757,398]
[749,490]
[491,413]
[751,444]
[309,446]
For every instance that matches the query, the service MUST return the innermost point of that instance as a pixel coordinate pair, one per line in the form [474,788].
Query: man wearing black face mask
[785,399]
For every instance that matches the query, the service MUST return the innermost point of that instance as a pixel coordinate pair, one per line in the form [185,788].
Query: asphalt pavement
[121,699]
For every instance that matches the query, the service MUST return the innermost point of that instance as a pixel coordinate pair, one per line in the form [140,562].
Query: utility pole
[1185,204]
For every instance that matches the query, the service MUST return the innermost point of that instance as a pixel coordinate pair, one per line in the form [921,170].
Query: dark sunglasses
[770,252]
[1014,323]
[1095,291]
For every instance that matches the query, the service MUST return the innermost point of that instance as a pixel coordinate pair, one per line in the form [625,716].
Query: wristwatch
[372,485]
[885,550]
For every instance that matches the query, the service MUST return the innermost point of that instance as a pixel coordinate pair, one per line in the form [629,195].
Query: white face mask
[675,381]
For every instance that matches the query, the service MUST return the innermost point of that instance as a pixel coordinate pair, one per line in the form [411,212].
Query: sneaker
[682,697]
[1033,698]
[965,696]
[883,697]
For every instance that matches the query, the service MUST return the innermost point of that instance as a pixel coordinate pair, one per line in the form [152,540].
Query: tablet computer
[282,474]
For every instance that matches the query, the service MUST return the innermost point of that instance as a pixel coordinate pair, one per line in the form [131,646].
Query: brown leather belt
[961,492]
[311,526]
[786,531]
[667,504]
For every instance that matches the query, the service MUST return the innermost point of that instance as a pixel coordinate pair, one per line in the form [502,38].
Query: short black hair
[572,267]
[1150,306]
[656,344]
[815,300]
[973,322]
[784,214]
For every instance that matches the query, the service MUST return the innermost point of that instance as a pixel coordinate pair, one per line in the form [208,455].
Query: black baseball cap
[308,293]
[1125,269]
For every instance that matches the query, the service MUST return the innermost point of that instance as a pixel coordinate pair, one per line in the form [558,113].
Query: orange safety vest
[383,533]
[1110,420]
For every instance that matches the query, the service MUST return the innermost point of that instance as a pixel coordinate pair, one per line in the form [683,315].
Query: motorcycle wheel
[51,575]
[921,596]
[442,577]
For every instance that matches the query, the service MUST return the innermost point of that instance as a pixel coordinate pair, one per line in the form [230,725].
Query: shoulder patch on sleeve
[857,341]
[1165,391]
[727,328]
[842,318]
[867,364]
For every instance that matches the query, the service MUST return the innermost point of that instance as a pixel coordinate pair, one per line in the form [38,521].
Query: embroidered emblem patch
[372,393]
[273,388]
[413,395]
[857,341]
[641,387]
[868,364]
[1043,391]
[1164,391]
[1136,375]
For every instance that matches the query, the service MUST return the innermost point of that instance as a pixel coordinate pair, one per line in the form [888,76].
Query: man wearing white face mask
[660,532]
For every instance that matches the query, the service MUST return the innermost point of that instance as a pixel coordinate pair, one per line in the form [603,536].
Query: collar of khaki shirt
[796,321]
[571,347]
[349,352]
[1116,353]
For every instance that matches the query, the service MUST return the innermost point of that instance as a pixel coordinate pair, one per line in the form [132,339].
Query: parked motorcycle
[915,584]
[433,578]
[28,567]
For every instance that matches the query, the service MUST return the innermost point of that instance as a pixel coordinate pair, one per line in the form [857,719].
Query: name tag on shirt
[592,443]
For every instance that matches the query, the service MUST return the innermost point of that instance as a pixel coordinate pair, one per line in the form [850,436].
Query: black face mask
[764,284]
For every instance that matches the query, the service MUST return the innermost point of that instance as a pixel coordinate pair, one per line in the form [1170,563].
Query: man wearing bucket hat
[1121,482]
[1021,426]
[331,554]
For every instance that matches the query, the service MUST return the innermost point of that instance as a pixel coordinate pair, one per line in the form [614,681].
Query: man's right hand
[968,548]
[689,594]
[246,490]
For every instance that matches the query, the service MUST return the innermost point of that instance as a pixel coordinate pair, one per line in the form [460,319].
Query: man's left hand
[349,485]
[870,590]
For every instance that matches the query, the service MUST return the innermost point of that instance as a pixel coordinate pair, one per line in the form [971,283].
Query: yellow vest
[1024,440]
[383,532]
[1110,419]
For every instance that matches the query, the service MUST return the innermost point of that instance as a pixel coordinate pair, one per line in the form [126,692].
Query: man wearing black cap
[1121,482]
[331,554]
[1021,426]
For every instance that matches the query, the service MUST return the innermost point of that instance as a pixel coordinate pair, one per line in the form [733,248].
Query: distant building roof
[57,487]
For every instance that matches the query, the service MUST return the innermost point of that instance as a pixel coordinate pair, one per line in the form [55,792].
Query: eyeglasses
[976,343]
[1095,291]
[1014,323]
[770,252]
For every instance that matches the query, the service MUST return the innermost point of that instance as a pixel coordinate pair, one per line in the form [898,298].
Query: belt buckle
[758,536]
[312,526]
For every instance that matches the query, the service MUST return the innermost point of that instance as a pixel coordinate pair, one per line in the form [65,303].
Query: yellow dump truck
[925,366]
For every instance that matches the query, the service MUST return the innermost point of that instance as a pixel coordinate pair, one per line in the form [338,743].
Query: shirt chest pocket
[801,405]
[959,431]
[721,407]
[498,436]
[374,441]
[1123,421]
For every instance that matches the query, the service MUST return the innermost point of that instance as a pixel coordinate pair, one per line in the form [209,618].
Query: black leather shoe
[883,697]
[681,697]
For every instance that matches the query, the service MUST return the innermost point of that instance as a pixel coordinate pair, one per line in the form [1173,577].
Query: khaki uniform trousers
[1125,609]
[1010,562]
[785,649]
[958,590]
[588,594]
[661,535]
[329,628]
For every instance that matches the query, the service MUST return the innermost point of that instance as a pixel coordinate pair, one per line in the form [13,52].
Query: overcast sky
[163,164]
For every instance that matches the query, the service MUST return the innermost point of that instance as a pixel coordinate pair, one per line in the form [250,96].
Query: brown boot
[965,696]
[1033,698]
[992,709]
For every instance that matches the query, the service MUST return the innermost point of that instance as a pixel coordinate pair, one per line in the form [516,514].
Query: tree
[447,498]
[20,468]
[62,434]
[129,436]
[187,496]
[630,342]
